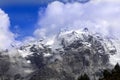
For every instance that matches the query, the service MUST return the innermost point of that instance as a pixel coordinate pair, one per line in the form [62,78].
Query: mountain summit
[70,54]
[64,56]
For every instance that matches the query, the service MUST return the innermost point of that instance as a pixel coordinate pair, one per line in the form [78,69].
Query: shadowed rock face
[77,54]
[71,54]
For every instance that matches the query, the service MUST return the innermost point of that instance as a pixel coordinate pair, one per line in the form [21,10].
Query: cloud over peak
[6,36]
[102,17]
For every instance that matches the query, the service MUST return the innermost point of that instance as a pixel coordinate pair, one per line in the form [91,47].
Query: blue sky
[23,18]
[35,19]
[24,14]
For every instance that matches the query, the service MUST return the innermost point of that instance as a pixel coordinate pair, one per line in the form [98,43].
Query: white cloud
[35,2]
[6,36]
[105,1]
[102,17]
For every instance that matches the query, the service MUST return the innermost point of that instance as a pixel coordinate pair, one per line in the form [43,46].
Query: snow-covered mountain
[73,40]
[65,56]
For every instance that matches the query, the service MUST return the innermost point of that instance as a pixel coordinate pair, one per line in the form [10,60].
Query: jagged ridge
[64,56]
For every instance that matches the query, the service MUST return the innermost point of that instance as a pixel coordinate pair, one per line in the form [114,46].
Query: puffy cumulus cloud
[98,16]
[6,36]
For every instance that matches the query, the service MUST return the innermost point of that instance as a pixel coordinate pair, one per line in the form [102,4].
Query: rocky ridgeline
[64,57]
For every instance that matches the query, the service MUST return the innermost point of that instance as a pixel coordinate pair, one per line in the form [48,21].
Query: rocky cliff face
[63,57]
[70,54]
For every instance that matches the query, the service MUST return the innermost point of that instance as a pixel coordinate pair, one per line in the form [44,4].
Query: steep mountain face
[68,55]
[64,57]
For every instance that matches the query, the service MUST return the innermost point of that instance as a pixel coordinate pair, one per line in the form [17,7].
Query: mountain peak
[67,55]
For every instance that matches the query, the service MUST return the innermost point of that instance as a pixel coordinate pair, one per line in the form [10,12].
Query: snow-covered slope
[70,52]
[67,38]
[75,52]
[114,59]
